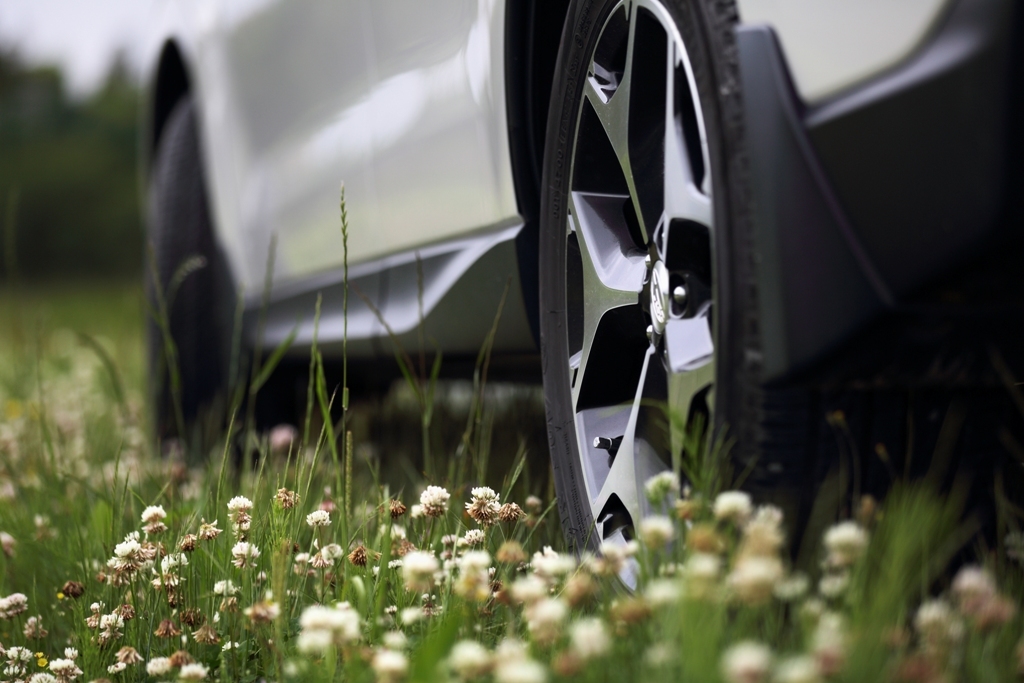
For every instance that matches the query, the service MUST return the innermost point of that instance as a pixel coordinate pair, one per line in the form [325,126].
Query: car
[795,223]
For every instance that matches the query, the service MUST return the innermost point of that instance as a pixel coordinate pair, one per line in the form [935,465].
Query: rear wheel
[632,255]
[191,280]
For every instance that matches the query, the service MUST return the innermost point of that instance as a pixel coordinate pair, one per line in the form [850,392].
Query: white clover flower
[314,642]
[829,643]
[733,506]
[395,640]
[410,615]
[416,511]
[158,666]
[44,678]
[318,518]
[469,659]
[660,486]
[418,569]
[550,564]
[472,538]
[475,560]
[244,554]
[544,619]
[153,513]
[172,561]
[484,506]
[434,500]
[799,669]
[112,621]
[520,671]
[332,551]
[127,548]
[239,504]
[938,625]
[792,588]
[589,638]
[65,668]
[753,579]
[389,665]
[529,589]
[972,586]
[845,543]
[833,585]
[656,532]
[70,653]
[225,587]
[193,672]
[662,592]
[700,574]
[116,668]
[746,662]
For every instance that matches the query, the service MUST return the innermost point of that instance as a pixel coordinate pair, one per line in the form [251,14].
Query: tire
[180,229]
[606,359]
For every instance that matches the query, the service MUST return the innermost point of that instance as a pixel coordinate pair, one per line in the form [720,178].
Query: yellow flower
[42,662]
[60,595]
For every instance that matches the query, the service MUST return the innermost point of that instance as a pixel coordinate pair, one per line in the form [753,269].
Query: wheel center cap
[659,296]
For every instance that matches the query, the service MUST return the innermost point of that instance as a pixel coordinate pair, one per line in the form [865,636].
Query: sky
[81,36]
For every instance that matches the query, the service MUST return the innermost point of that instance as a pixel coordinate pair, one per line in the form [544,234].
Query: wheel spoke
[685,148]
[637,458]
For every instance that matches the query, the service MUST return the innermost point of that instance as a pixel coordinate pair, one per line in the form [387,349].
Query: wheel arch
[533,32]
[172,82]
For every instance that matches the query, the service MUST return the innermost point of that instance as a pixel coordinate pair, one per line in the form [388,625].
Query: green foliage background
[70,168]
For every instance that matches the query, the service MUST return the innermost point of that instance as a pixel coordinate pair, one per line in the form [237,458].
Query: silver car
[780,218]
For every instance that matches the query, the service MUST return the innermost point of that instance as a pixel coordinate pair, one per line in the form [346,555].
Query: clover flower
[158,666]
[656,532]
[65,669]
[469,659]
[208,531]
[193,672]
[418,569]
[753,579]
[845,543]
[484,506]
[13,605]
[732,506]
[324,626]
[746,662]
[318,519]
[550,564]
[389,665]
[153,518]
[798,669]
[244,554]
[473,537]
[589,638]
[434,500]
[544,619]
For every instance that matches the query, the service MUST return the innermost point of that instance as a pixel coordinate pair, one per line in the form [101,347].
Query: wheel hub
[659,303]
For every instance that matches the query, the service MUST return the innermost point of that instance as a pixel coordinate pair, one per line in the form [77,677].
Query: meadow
[124,561]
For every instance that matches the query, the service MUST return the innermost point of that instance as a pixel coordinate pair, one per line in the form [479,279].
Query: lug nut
[650,332]
[679,295]
[602,442]
[647,260]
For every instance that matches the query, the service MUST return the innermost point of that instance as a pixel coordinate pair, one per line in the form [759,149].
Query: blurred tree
[72,167]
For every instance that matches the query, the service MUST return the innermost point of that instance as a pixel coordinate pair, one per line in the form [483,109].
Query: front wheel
[640,252]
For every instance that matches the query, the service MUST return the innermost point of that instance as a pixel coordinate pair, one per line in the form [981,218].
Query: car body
[430,116]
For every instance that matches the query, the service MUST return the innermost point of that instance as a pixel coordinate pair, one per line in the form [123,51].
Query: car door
[441,158]
[299,70]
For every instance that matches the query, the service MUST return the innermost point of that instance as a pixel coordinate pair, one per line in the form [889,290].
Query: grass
[112,549]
